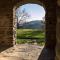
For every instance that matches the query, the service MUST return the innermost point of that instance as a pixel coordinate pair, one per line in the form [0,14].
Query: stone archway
[51,19]
[6,15]
[17,6]
[50,8]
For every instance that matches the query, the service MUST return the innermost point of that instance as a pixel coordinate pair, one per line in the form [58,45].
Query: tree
[22,16]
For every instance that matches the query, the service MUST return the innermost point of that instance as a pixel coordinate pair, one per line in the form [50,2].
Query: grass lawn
[23,36]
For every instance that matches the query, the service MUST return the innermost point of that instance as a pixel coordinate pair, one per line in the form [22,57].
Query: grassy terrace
[28,35]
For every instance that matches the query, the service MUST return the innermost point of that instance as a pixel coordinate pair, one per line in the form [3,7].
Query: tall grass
[23,36]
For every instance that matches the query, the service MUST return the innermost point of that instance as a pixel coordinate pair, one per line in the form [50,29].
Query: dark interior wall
[6,23]
[58,32]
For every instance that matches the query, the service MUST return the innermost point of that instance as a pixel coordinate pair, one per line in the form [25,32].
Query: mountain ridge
[37,24]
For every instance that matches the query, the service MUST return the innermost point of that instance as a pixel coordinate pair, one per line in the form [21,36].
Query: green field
[28,35]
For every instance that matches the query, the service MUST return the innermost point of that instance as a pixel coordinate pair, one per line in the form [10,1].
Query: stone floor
[22,52]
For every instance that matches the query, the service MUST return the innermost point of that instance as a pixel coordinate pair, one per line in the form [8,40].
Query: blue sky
[36,11]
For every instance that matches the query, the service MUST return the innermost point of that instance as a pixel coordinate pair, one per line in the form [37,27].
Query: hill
[37,24]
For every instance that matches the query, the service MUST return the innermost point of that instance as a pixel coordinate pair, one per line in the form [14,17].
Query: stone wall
[6,23]
[58,33]
[8,27]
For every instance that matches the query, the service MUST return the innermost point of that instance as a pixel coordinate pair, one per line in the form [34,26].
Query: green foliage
[20,41]
[24,34]
[30,33]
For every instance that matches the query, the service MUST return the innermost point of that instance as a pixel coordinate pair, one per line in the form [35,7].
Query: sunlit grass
[24,34]
[30,33]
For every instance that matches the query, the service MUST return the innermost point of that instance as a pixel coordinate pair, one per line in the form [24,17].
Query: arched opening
[6,10]
[30,24]
[30,27]
[50,41]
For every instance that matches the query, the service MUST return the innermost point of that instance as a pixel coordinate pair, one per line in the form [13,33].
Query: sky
[35,11]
